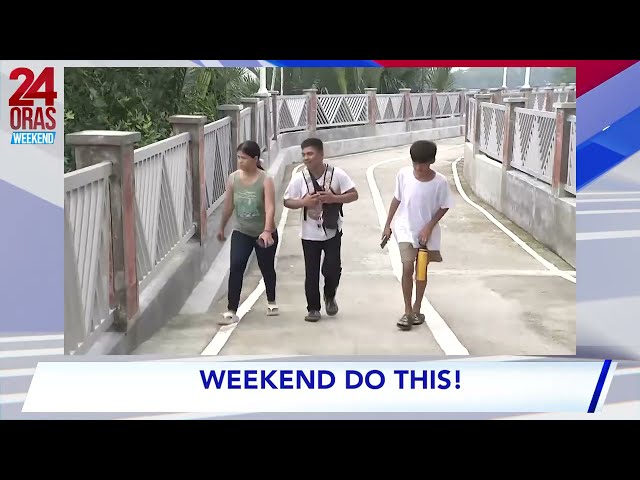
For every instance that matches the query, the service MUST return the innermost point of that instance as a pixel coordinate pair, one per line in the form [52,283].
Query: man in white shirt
[320,190]
[421,199]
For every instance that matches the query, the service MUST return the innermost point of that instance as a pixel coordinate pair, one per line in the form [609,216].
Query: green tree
[143,99]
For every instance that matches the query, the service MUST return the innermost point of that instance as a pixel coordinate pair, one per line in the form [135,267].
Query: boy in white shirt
[320,190]
[421,199]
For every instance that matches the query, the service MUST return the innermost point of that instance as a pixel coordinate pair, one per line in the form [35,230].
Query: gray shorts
[409,253]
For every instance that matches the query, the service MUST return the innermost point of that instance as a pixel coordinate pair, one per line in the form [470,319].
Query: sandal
[272,310]
[228,318]
[418,318]
[405,322]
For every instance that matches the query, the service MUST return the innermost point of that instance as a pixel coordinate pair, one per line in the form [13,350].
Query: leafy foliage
[143,99]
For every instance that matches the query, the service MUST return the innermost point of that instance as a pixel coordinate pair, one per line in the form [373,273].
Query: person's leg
[241,248]
[408,257]
[312,253]
[332,271]
[434,256]
[266,262]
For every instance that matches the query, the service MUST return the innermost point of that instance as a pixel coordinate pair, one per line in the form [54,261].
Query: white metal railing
[339,110]
[292,112]
[570,185]
[389,107]
[492,129]
[420,105]
[163,201]
[87,240]
[534,142]
[218,157]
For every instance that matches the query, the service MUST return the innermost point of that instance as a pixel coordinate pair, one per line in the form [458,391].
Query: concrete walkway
[488,297]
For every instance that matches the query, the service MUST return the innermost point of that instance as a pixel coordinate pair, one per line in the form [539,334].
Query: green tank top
[248,203]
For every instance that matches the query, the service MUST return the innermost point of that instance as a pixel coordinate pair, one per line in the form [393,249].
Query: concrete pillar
[92,147]
[406,106]
[548,99]
[266,125]
[274,114]
[509,123]
[372,110]
[496,95]
[233,112]
[312,110]
[463,106]
[467,114]
[480,99]
[194,126]
[526,93]
[434,105]
[561,157]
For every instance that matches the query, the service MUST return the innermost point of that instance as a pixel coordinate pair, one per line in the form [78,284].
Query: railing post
[252,103]
[548,99]
[274,113]
[480,99]
[496,95]
[467,116]
[509,128]
[434,105]
[463,107]
[406,106]
[266,99]
[194,125]
[561,157]
[233,112]
[526,93]
[92,147]
[372,110]
[312,110]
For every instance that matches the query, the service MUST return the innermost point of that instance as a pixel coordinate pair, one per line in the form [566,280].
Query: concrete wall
[171,286]
[526,201]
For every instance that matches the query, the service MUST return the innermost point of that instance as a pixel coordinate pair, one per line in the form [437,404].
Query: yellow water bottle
[421,263]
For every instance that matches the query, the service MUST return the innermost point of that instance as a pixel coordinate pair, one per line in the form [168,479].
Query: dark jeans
[331,269]
[241,247]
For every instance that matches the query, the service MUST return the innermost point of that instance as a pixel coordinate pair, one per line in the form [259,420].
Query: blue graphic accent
[324,63]
[33,138]
[607,149]
[598,391]
[240,63]
[198,62]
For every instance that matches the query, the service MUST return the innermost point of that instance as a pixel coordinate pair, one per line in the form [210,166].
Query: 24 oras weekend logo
[33,124]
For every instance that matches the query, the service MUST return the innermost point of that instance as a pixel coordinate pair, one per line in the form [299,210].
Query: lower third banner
[266,386]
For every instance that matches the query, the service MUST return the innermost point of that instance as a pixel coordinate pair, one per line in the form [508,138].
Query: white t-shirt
[419,202]
[311,229]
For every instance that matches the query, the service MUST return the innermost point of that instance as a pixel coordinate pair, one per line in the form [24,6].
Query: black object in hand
[385,239]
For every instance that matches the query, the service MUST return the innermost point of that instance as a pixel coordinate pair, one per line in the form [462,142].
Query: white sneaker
[272,310]
[229,318]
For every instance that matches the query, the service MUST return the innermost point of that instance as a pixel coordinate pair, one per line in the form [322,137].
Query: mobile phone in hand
[385,239]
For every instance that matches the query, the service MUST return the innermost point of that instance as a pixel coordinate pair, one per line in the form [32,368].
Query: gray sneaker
[313,316]
[330,306]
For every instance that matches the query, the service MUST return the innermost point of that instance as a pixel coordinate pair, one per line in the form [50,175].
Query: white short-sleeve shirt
[419,203]
[311,228]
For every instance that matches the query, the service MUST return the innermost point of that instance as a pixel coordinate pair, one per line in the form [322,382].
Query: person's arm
[227,208]
[269,204]
[395,202]
[393,208]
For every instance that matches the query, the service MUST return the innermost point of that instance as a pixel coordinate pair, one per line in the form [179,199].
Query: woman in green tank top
[250,195]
